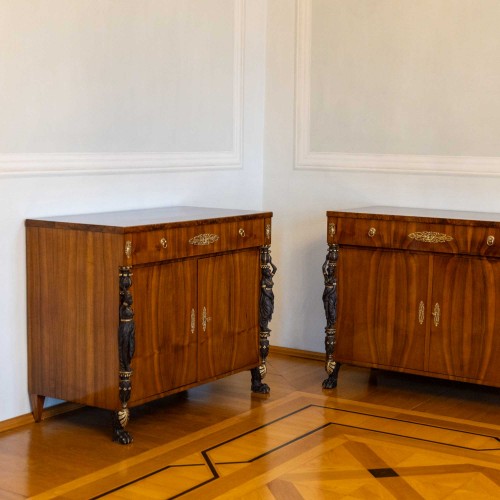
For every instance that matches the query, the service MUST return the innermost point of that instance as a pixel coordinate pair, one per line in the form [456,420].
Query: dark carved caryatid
[266,309]
[330,304]
[126,347]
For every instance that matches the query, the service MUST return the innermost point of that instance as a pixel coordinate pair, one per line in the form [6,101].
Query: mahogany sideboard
[415,291]
[127,307]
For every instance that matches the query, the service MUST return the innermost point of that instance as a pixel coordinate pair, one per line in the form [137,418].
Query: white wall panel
[104,84]
[399,85]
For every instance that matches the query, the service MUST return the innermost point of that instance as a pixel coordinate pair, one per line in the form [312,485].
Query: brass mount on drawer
[430,237]
[204,239]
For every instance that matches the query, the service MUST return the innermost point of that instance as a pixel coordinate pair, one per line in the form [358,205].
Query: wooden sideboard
[127,307]
[415,291]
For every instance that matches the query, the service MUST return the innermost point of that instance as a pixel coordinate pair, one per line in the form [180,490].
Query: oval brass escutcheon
[421,312]
[193,321]
[490,241]
[436,313]
[128,249]
[163,243]
[241,232]
[371,232]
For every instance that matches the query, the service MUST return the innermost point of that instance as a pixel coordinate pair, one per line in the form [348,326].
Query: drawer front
[416,236]
[176,243]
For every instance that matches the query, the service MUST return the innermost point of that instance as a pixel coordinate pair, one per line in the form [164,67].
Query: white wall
[404,77]
[111,105]
[305,175]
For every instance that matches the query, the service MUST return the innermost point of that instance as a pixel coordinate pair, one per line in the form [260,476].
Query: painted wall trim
[28,165]
[305,159]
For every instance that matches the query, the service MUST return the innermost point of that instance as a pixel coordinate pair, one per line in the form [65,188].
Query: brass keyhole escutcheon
[128,249]
[436,313]
[193,321]
[421,312]
[490,241]
[205,319]
[241,232]
[163,243]
[371,232]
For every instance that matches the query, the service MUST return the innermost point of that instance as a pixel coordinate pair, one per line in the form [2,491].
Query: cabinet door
[381,303]
[166,344]
[228,303]
[465,342]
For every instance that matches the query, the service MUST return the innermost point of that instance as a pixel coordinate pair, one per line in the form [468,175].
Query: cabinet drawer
[175,243]
[416,236]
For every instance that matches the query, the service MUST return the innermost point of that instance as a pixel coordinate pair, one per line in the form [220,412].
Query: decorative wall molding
[26,165]
[305,159]
[14,165]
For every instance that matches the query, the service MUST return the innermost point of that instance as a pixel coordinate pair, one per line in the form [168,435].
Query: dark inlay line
[288,415]
[411,437]
[496,438]
[161,469]
[251,431]
[276,448]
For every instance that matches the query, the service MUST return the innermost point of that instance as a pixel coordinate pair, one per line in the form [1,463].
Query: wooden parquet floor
[310,447]
[396,439]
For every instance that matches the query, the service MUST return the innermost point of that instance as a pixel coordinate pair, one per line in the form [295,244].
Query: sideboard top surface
[421,215]
[145,219]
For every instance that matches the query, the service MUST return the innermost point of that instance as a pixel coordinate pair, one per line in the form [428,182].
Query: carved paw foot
[332,368]
[122,436]
[261,388]
[330,383]
[257,385]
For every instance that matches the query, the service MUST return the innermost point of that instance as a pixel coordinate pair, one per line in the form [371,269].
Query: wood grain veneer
[195,306]
[416,291]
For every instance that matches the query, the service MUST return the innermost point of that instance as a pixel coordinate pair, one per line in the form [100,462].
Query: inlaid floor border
[320,403]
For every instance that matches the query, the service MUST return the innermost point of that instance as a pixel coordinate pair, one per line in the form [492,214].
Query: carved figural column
[266,309]
[330,304]
[126,347]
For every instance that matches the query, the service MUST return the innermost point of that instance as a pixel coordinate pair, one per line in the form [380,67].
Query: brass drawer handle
[204,239]
[371,232]
[163,243]
[241,232]
[490,241]
[437,314]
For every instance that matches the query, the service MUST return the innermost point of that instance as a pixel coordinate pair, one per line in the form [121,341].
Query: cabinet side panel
[73,315]
[39,380]
[379,308]
[465,342]
[228,290]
